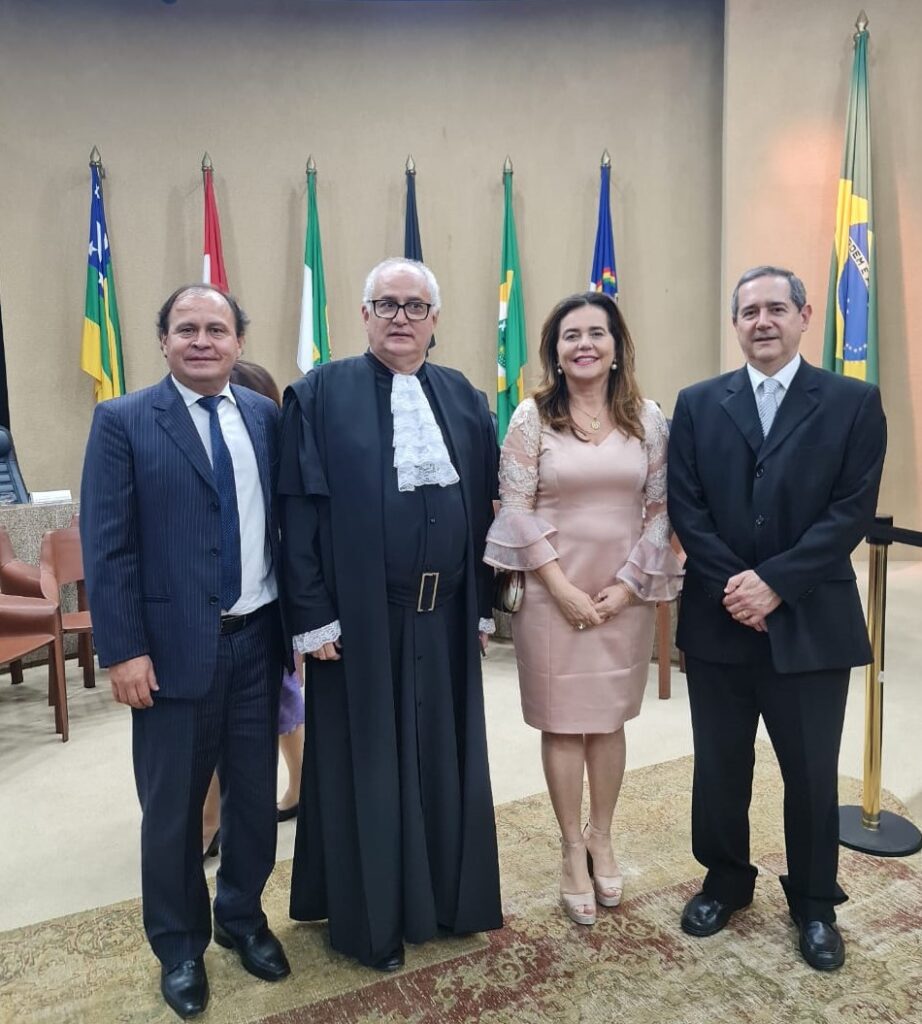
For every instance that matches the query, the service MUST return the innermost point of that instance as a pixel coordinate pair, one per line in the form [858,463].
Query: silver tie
[767,402]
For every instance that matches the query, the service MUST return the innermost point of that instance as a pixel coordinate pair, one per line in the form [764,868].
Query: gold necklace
[594,422]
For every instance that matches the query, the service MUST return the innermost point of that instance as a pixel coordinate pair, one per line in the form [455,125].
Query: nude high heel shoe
[608,888]
[575,903]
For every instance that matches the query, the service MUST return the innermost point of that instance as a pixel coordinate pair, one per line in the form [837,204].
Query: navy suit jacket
[792,507]
[150,525]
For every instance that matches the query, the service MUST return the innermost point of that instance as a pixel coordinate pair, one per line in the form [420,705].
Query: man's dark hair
[798,291]
[241,320]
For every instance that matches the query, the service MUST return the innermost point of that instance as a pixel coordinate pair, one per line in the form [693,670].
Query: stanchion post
[868,828]
[873,688]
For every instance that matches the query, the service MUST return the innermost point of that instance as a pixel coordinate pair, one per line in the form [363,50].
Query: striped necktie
[767,402]
[227,495]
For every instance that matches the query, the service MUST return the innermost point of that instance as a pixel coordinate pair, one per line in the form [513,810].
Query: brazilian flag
[511,352]
[101,352]
[850,346]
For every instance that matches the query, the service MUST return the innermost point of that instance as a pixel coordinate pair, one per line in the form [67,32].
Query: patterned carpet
[634,965]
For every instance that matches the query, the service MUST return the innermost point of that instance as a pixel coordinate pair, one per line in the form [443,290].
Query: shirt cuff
[307,643]
[487,626]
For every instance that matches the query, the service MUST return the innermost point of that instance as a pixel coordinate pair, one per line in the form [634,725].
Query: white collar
[784,376]
[191,397]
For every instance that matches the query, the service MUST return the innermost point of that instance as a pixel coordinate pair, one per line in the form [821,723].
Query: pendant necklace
[594,422]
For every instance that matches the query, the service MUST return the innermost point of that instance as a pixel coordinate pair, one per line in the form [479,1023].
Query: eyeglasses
[387,309]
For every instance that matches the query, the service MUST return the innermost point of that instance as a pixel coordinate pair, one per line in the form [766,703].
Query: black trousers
[176,745]
[803,714]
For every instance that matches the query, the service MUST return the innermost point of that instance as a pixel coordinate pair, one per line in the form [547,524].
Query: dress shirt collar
[784,376]
[191,397]
[385,371]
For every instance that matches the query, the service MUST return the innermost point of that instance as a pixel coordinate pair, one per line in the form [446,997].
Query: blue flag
[604,272]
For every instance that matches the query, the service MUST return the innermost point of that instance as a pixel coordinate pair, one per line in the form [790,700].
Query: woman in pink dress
[583,489]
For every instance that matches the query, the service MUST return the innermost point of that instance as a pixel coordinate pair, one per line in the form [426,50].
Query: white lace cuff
[420,455]
[307,643]
[487,626]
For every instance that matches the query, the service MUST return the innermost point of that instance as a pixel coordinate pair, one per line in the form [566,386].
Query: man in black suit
[774,471]
[180,547]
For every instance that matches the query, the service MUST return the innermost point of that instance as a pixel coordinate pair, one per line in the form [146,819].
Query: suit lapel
[799,403]
[174,418]
[740,406]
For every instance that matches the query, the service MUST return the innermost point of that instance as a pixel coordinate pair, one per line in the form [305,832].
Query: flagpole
[411,165]
[96,161]
[606,158]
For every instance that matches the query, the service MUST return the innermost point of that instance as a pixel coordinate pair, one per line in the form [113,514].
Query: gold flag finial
[507,166]
[311,166]
[411,165]
[606,158]
[861,22]
[207,165]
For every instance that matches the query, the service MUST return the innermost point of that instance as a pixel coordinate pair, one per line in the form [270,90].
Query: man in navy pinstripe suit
[180,544]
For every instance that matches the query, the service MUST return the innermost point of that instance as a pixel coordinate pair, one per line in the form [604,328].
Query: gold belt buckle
[422,589]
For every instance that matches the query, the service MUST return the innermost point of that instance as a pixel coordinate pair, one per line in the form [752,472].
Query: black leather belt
[234,623]
[427,592]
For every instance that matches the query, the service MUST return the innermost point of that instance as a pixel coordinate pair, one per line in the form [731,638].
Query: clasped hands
[750,600]
[582,611]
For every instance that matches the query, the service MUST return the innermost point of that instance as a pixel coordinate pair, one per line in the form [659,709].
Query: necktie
[227,495]
[767,403]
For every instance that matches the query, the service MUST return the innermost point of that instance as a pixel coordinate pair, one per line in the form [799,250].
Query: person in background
[583,489]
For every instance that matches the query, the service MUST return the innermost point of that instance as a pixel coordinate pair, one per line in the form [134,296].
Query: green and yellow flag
[314,334]
[101,352]
[511,350]
[850,346]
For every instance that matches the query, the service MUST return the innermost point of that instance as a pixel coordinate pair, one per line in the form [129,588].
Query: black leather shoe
[185,987]
[260,953]
[821,945]
[392,962]
[703,915]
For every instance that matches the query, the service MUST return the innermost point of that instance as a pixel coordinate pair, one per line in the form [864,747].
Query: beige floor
[69,818]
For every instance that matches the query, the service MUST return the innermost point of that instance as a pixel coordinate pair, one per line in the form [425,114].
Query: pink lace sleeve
[518,538]
[653,571]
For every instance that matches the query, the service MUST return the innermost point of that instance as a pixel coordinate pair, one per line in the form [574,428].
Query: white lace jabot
[420,455]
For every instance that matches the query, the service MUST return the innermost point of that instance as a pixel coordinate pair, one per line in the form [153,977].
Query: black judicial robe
[396,835]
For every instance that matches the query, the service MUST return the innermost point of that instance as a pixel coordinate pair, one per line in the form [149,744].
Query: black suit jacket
[791,507]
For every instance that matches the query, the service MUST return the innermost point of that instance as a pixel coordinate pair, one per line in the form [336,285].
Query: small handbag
[508,590]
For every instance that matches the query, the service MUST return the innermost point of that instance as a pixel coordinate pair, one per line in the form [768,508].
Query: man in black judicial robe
[388,595]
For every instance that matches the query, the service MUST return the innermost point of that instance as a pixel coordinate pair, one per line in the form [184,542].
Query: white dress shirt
[784,377]
[257,577]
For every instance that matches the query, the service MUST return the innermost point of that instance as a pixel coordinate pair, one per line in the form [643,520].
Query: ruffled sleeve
[653,571]
[518,538]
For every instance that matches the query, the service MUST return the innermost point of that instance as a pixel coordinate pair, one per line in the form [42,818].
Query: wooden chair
[27,624]
[61,562]
[19,579]
[664,636]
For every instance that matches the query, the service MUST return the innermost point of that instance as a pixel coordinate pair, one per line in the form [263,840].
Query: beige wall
[359,85]
[787,73]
